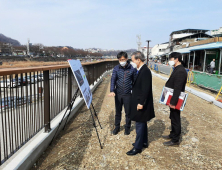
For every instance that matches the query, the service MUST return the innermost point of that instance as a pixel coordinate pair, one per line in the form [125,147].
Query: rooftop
[215,45]
[189,31]
[183,36]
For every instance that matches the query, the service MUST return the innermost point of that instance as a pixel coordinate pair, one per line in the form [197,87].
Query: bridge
[32,111]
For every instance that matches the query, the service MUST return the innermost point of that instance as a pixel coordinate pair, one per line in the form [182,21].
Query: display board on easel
[81,80]
[83,85]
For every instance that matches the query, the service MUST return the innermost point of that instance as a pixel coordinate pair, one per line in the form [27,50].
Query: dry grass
[30,64]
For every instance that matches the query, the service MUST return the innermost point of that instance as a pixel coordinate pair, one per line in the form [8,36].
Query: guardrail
[210,81]
[32,97]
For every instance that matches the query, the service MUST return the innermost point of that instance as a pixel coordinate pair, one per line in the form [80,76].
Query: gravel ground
[77,147]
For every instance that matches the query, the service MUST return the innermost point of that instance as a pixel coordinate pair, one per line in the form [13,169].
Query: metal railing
[31,97]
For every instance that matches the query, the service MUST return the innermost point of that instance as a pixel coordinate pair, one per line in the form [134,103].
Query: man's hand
[172,107]
[139,106]
[112,94]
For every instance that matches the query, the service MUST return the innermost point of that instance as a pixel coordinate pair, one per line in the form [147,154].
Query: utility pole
[28,50]
[148,49]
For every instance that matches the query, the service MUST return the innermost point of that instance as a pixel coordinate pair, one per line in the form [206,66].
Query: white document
[166,92]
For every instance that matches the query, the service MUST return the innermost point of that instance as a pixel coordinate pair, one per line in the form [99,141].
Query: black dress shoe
[166,137]
[171,143]
[116,131]
[127,131]
[134,151]
[145,145]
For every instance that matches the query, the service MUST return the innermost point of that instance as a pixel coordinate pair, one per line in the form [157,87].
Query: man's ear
[176,60]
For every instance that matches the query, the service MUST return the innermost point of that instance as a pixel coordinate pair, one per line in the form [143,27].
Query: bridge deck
[77,147]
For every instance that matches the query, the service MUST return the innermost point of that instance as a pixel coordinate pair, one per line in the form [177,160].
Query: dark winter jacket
[122,79]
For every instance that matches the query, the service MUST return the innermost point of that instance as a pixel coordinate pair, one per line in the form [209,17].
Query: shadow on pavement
[184,125]
[156,130]
[111,121]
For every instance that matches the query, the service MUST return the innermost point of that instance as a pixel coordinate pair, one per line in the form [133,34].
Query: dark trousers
[141,135]
[120,101]
[175,125]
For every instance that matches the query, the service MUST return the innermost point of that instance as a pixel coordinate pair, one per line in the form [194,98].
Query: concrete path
[77,147]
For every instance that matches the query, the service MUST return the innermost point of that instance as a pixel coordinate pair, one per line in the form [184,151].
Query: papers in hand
[167,94]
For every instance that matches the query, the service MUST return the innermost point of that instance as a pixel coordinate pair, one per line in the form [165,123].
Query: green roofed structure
[197,58]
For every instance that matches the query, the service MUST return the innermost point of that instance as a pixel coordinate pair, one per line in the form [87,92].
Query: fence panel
[31,97]
[210,81]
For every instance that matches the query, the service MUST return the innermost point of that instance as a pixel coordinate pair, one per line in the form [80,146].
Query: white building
[159,50]
[93,50]
[216,33]
[144,50]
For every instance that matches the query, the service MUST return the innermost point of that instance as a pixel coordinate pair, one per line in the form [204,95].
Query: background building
[159,51]
[217,32]
[186,36]
[144,51]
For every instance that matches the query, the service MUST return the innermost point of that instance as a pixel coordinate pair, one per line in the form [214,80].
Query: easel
[94,124]
[219,93]
[69,108]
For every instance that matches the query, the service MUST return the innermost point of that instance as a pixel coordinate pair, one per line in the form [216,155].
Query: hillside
[5,39]
[115,52]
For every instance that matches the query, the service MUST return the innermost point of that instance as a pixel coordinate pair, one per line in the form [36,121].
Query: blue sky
[103,23]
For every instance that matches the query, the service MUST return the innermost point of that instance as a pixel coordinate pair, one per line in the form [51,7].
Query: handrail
[18,70]
[30,100]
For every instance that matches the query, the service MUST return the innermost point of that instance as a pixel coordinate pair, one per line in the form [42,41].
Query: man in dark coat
[142,109]
[177,81]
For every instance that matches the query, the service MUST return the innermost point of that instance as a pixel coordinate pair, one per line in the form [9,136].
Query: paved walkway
[77,147]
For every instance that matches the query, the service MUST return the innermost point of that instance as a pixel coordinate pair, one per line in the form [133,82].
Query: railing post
[46,101]
[205,56]
[189,62]
[219,71]
[194,59]
[80,93]
[104,69]
[97,73]
[90,74]
[69,84]
[93,74]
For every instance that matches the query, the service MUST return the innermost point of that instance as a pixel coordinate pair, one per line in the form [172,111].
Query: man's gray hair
[139,55]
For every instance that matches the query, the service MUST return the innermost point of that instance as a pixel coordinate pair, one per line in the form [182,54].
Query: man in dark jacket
[121,86]
[177,81]
[142,109]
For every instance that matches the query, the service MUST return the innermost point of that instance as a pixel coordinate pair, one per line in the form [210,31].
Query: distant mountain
[5,39]
[115,52]
[131,50]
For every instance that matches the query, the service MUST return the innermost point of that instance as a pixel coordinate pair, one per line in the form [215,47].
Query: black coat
[142,94]
[177,81]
